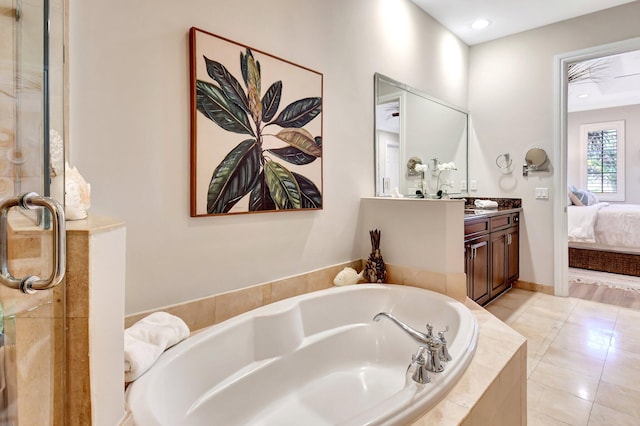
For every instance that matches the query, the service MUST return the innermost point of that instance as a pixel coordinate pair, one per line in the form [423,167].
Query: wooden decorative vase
[374,269]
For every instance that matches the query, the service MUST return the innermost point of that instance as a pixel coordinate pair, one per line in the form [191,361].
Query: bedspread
[612,225]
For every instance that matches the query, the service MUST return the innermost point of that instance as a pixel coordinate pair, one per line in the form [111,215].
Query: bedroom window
[602,159]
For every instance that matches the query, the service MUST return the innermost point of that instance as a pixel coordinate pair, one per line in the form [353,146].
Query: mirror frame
[376,155]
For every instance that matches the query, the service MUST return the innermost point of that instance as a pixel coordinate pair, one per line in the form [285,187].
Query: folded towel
[486,204]
[145,341]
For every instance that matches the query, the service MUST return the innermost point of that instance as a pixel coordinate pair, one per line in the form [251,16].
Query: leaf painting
[266,169]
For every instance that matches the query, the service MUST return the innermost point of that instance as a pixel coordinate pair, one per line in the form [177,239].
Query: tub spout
[422,338]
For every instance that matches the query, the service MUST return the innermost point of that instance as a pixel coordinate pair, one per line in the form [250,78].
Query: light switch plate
[473,185]
[542,193]
[463,185]
[386,185]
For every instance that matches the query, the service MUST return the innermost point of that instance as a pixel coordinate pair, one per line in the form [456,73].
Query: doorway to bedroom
[600,126]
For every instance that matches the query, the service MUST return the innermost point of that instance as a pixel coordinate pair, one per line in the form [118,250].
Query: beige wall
[511,100]
[130,129]
[631,116]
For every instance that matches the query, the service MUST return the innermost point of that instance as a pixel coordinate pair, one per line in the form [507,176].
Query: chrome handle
[30,284]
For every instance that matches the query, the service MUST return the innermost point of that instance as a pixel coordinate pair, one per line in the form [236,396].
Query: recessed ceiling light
[480,24]
[583,95]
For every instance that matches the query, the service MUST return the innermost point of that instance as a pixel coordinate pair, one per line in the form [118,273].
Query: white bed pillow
[581,222]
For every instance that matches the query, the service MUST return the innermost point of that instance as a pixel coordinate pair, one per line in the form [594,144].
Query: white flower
[447,166]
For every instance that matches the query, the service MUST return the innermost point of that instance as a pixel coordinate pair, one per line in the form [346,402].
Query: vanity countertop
[472,212]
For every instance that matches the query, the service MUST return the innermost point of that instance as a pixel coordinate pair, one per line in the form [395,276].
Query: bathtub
[315,359]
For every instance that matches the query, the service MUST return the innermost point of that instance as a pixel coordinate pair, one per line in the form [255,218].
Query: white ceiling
[617,79]
[614,81]
[506,16]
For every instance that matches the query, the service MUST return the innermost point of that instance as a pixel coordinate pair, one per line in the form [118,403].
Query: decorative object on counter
[504,162]
[147,339]
[374,269]
[77,194]
[436,171]
[248,152]
[56,153]
[536,161]
[348,276]
[446,166]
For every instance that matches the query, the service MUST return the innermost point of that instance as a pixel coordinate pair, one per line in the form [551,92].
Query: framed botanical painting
[256,130]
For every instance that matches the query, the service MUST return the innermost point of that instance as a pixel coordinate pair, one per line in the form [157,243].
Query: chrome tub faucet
[431,353]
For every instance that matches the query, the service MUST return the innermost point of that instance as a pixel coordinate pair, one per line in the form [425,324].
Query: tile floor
[583,358]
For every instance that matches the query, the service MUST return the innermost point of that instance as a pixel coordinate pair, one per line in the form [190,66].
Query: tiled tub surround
[211,310]
[95,302]
[491,391]
[89,390]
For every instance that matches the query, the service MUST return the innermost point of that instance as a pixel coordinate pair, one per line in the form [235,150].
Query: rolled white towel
[145,341]
[486,204]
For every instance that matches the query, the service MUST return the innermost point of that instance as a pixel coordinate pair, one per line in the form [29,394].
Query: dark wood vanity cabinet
[492,255]
[477,268]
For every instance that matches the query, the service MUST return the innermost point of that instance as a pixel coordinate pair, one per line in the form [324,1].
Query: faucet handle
[443,353]
[417,369]
[429,330]
[441,334]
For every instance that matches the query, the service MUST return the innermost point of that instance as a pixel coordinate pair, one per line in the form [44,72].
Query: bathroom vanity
[492,251]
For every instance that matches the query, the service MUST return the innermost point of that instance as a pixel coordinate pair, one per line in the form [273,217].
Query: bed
[605,237]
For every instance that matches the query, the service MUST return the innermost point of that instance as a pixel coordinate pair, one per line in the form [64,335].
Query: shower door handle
[30,284]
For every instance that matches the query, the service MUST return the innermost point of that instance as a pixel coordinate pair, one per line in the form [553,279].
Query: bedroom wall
[631,115]
[511,103]
[129,129]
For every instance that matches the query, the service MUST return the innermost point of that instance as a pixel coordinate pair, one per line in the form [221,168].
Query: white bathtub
[315,359]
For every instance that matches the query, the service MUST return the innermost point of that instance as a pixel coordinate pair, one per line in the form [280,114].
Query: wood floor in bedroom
[604,294]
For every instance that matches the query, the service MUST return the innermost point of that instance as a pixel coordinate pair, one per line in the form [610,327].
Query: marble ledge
[415,199]
[93,224]
[482,213]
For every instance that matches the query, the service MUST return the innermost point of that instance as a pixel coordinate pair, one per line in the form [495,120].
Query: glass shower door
[32,326]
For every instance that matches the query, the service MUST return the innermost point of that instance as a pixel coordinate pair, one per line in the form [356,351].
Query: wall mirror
[420,143]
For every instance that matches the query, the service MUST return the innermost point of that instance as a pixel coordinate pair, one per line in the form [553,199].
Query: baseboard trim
[526,285]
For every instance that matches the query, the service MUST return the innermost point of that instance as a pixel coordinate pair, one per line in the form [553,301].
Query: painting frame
[256,130]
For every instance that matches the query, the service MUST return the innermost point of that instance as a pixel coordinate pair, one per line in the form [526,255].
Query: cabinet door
[513,254]
[498,262]
[477,268]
